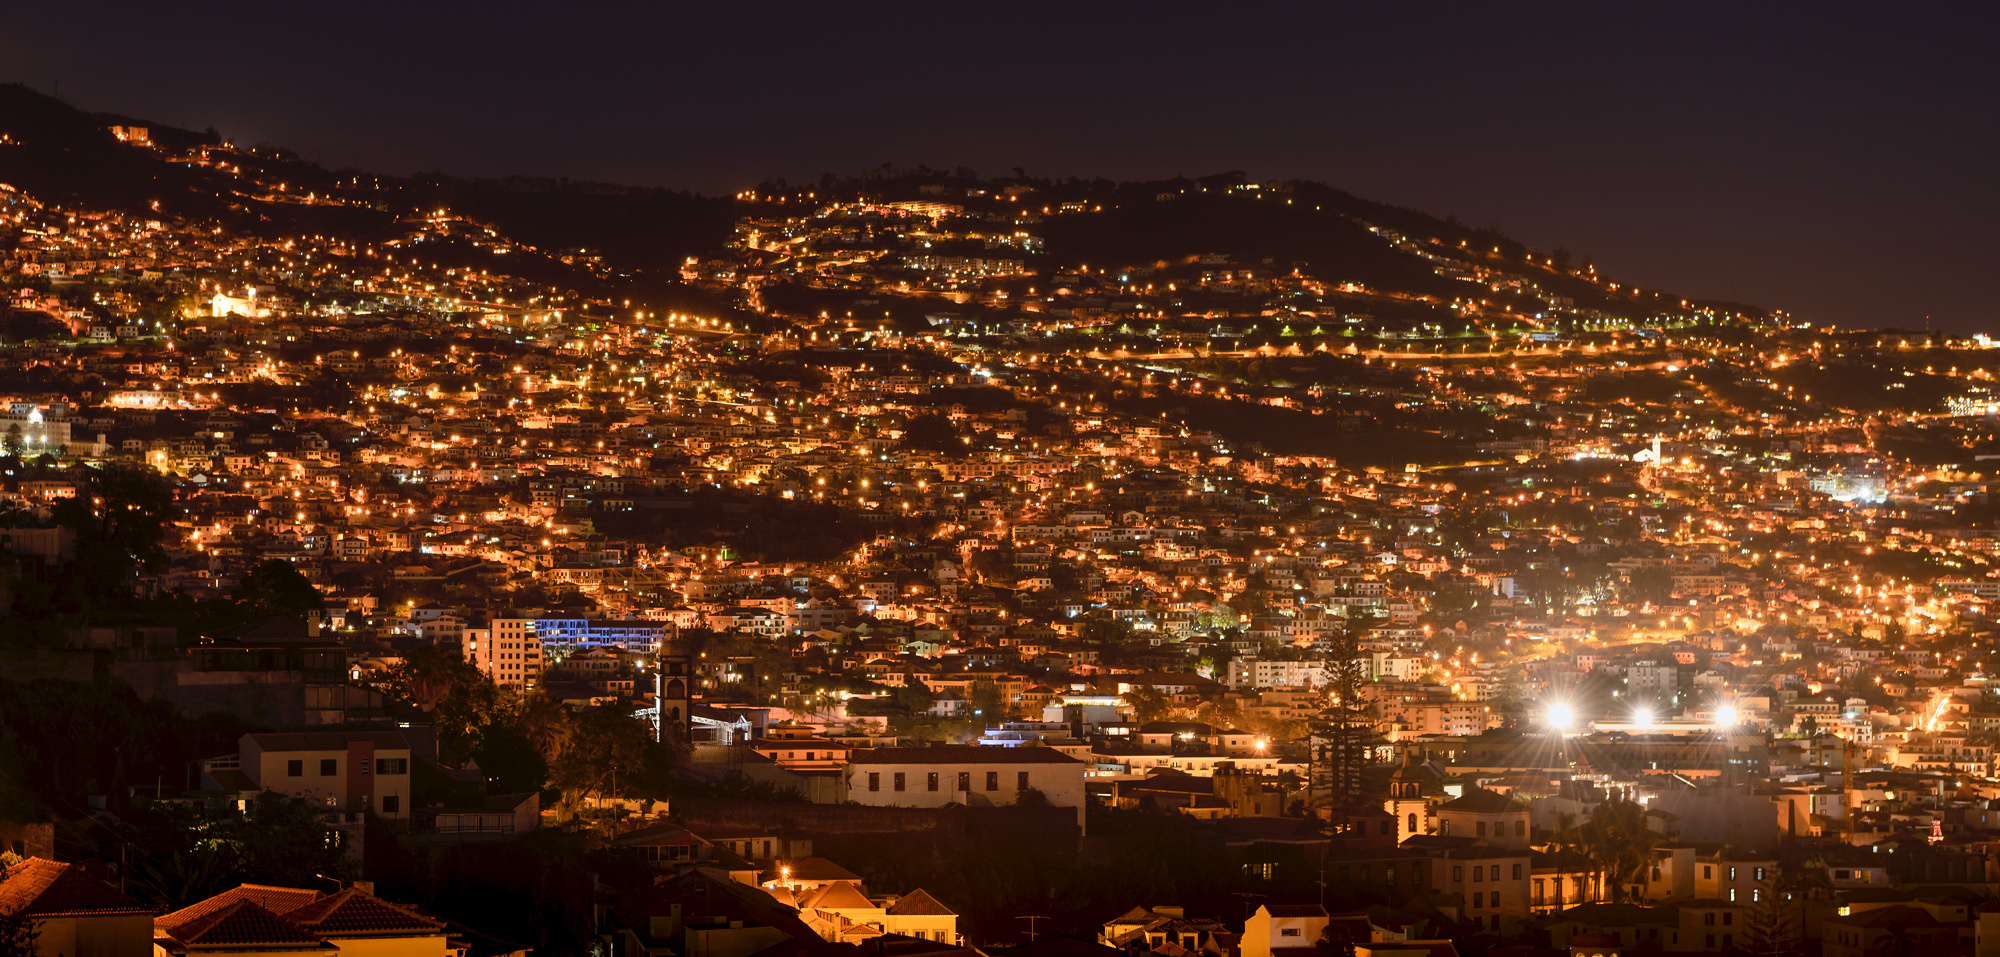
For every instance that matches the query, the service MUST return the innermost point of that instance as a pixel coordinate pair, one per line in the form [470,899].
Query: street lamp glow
[1560,716]
[1725,716]
[1643,717]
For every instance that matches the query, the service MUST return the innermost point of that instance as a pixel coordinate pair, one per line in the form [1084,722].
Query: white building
[40,431]
[964,774]
[1645,679]
[1288,674]
[1290,928]
[342,771]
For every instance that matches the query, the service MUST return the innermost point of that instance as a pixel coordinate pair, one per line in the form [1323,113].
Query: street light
[1560,716]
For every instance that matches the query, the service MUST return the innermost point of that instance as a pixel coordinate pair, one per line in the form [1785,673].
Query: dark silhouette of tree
[1149,704]
[1619,840]
[18,934]
[933,432]
[603,741]
[986,699]
[277,587]
[120,515]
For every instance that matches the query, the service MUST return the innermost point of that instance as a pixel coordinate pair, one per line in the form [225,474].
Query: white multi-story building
[38,430]
[1288,674]
[1651,679]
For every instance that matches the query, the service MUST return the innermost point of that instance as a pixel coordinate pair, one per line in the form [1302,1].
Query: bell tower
[1407,803]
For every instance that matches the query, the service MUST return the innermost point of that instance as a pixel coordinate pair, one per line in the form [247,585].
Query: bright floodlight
[1559,717]
[1725,717]
[1643,717]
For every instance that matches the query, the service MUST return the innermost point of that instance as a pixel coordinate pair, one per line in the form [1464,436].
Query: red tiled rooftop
[354,911]
[277,900]
[45,888]
[240,924]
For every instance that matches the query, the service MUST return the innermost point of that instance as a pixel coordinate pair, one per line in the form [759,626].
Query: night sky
[1834,161]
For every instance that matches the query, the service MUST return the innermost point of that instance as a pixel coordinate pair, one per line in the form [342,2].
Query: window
[1732,873]
[1760,874]
[1413,822]
[932,781]
[964,784]
[1707,872]
[392,765]
[1539,894]
[899,780]
[874,781]
[1732,895]
[1288,932]
[1478,873]
[1389,874]
[1708,920]
[1520,829]
[992,780]
[1020,780]
[1711,941]
[1478,899]
[1457,873]
[328,767]
[1479,829]
[1756,894]
[295,769]
[392,803]
[1730,916]
[1517,872]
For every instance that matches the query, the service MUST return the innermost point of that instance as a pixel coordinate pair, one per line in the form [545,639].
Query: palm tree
[546,724]
[1621,843]
[1564,840]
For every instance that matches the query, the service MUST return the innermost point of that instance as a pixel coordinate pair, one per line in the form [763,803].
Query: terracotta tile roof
[820,869]
[242,924]
[1481,801]
[45,888]
[328,740]
[277,900]
[839,895]
[918,903]
[355,912]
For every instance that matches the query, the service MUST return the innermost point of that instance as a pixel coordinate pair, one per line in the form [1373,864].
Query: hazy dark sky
[1832,160]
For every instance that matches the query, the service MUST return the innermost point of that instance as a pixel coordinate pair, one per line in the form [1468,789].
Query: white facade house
[1292,928]
[344,771]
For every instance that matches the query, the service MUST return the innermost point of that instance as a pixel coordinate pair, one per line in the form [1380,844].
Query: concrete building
[340,771]
[508,650]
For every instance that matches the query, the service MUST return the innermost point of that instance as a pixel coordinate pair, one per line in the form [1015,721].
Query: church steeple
[1406,797]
